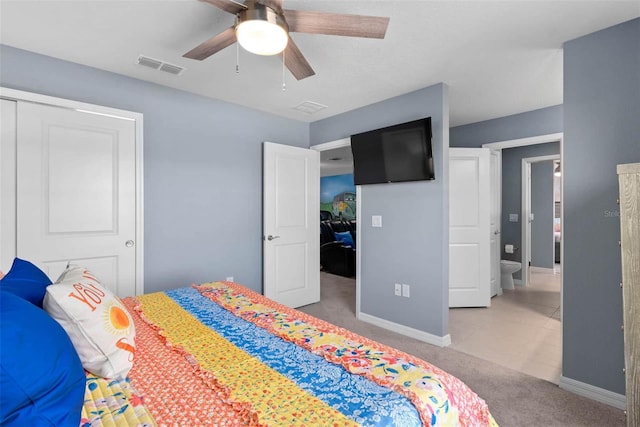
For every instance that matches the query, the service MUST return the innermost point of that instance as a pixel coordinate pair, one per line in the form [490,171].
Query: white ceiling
[336,161]
[498,57]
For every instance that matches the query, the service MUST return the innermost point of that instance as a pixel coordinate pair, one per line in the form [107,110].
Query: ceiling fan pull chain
[237,58]
[284,84]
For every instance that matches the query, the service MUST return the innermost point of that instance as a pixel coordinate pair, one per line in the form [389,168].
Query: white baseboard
[406,330]
[518,282]
[542,270]
[595,393]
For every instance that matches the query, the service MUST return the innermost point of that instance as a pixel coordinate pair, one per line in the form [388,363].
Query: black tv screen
[393,154]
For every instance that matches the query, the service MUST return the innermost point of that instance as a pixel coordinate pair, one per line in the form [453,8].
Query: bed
[220,354]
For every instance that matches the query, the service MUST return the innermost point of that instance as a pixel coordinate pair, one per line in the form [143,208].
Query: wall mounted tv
[393,154]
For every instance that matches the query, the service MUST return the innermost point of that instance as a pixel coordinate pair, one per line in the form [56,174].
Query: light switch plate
[376,220]
[406,290]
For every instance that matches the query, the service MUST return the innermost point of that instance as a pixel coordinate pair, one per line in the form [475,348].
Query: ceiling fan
[263,27]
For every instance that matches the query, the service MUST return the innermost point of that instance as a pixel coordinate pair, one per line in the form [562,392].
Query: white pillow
[99,326]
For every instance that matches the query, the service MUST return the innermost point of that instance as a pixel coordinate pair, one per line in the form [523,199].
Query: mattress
[220,354]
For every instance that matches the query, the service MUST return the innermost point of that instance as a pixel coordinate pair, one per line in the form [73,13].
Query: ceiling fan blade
[336,24]
[296,62]
[213,45]
[227,5]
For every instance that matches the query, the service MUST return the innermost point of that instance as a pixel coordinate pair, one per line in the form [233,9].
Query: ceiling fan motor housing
[259,12]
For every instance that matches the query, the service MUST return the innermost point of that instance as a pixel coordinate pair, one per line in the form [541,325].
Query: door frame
[340,143]
[525,203]
[497,194]
[9,248]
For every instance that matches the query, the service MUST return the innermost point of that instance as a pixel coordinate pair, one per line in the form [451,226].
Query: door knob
[270,237]
[496,232]
[129,243]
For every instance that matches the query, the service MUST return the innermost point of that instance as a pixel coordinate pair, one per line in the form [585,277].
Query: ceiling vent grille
[156,64]
[309,107]
[171,69]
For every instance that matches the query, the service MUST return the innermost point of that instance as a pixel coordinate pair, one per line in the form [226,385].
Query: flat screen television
[393,154]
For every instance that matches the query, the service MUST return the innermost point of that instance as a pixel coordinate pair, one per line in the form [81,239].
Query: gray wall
[412,246]
[601,130]
[511,232]
[531,123]
[542,250]
[202,167]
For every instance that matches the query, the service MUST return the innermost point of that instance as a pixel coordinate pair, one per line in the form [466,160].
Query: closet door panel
[76,193]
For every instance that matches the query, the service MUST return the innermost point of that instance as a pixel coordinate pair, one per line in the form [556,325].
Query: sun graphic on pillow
[116,318]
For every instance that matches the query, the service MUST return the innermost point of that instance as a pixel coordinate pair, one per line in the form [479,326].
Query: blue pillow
[26,281]
[41,377]
[345,238]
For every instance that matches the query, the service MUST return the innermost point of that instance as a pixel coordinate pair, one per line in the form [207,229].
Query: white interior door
[76,193]
[291,224]
[495,218]
[469,227]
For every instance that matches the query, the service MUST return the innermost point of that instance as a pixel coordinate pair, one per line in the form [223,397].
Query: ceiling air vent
[309,107]
[149,62]
[171,69]
[156,64]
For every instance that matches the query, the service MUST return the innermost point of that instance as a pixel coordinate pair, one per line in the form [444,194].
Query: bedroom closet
[71,188]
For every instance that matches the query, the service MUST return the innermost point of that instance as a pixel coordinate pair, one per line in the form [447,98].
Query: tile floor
[521,329]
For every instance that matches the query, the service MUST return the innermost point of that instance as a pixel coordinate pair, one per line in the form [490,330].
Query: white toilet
[507,268]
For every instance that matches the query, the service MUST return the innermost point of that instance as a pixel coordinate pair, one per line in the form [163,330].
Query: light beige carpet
[515,399]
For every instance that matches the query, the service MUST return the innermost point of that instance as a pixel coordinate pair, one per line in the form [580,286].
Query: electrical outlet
[406,290]
[398,290]
[230,279]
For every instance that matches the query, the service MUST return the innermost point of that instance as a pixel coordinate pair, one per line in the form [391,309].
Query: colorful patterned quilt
[220,354]
[113,403]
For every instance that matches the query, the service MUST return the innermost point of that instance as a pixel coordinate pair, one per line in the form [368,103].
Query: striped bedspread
[219,354]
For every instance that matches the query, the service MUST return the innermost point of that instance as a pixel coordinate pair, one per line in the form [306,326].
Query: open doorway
[538,212]
[557,213]
[339,222]
[522,329]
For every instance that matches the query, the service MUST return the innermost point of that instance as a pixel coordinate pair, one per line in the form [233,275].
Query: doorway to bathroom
[522,329]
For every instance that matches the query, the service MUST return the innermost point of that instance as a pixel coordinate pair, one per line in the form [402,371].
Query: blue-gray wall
[412,246]
[523,125]
[202,167]
[542,250]
[511,232]
[601,130]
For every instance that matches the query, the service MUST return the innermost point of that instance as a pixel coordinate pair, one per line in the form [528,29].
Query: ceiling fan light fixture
[261,31]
